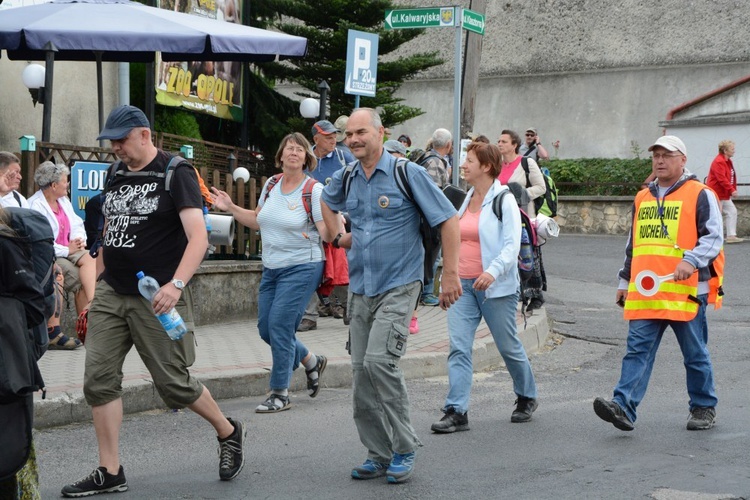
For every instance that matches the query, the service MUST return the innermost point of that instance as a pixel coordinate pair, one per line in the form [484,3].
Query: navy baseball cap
[121,121]
[324,127]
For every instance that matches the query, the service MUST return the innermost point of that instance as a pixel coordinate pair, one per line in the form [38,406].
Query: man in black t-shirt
[163,234]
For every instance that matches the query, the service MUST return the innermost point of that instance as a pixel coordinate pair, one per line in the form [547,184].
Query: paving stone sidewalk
[232,361]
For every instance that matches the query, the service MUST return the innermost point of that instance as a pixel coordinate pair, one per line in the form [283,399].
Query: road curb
[140,395]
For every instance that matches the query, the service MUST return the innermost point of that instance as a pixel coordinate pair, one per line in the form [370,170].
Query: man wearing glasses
[677,234]
[533,146]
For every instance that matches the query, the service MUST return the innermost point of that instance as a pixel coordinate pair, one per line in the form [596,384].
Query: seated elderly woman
[78,267]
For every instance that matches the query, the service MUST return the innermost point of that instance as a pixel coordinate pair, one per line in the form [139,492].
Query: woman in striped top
[292,231]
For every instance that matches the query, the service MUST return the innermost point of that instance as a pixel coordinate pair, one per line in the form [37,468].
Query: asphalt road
[565,452]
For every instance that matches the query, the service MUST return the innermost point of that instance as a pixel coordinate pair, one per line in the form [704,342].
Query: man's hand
[166,298]
[621,297]
[450,289]
[683,271]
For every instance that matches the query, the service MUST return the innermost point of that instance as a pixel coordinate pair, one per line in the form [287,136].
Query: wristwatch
[335,241]
[178,284]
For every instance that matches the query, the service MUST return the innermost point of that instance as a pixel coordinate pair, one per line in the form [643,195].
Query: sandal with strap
[64,343]
[273,404]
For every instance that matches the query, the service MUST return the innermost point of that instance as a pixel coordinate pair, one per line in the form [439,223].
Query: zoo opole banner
[211,87]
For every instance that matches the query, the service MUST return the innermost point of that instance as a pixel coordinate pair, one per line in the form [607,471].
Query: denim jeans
[282,298]
[644,337]
[500,315]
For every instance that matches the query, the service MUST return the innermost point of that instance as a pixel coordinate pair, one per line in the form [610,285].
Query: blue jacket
[499,242]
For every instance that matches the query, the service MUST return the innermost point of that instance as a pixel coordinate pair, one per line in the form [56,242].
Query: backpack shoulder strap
[307,190]
[525,165]
[497,204]
[271,184]
[174,161]
[340,156]
[112,172]
[402,179]
[346,179]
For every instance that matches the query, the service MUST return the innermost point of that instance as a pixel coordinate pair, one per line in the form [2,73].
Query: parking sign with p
[361,63]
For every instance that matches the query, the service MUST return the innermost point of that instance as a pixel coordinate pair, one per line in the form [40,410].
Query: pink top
[507,169]
[63,235]
[470,254]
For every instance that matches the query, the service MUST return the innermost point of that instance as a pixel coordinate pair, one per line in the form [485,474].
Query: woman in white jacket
[488,268]
[79,268]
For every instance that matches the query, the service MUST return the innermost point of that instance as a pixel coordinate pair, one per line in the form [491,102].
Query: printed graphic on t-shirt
[125,207]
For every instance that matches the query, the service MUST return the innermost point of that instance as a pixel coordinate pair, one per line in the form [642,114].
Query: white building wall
[75,118]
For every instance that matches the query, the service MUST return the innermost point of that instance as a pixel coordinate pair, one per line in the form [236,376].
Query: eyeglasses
[530,135]
[659,156]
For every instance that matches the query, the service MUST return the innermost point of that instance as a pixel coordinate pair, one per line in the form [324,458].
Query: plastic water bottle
[207,219]
[526,254]
[171,321]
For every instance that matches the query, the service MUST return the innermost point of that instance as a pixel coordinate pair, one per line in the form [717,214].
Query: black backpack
[35,228]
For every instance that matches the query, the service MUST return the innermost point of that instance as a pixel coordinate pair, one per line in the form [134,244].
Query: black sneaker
[313,385]
[99,481]
[701,419]
[231,454]
[524,408]
[609,411]
[451,422]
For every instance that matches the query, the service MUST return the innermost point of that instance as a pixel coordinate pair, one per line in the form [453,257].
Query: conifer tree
[326,25]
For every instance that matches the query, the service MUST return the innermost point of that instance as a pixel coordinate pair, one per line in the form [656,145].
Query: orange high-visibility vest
[661,235]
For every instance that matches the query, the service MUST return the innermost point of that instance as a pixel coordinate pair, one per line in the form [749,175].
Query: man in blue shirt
[331,158]
[386,259]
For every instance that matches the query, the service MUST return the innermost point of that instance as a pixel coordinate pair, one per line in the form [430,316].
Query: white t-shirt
[9,200]
[287,235]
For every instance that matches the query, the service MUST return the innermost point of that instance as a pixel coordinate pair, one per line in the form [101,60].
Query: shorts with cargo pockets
[117,323]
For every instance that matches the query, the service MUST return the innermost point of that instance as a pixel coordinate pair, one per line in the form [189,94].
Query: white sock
[311,364]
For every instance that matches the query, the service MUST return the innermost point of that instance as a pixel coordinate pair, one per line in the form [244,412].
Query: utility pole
[470,82]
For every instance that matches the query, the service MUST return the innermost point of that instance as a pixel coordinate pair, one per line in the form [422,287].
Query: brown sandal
[64,343]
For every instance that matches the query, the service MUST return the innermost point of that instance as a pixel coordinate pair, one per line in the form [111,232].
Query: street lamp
[33,78]
[39,80]
[309,108]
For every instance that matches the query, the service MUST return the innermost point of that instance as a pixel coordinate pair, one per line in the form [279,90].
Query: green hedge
[599,176]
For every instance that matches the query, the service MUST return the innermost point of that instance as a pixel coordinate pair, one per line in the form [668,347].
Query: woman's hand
[483,282]
[76,245]
[221,200]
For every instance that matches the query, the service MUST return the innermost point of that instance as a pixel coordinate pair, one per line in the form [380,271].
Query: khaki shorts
[116,323]
[72,281]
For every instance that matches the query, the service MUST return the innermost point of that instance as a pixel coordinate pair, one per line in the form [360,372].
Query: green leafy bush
[599,176]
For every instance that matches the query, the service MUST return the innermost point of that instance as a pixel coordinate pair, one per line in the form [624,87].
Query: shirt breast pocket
[391,207]
[352,206]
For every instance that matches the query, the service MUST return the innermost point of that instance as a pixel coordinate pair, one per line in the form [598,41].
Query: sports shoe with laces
[451,422]
[99,481]
[429,299]
[369,470]
[609,411]
[313,385]
[231,453]
[524,408]
[701,419]
[401,467]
